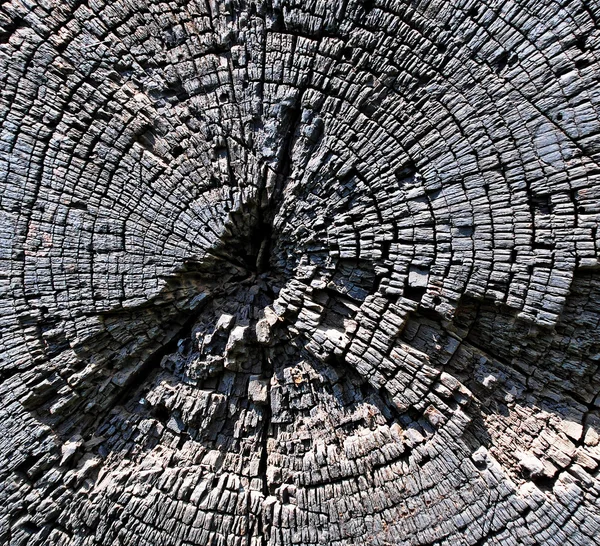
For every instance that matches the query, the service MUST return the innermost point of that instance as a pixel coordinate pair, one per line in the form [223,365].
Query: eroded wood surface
[299,273]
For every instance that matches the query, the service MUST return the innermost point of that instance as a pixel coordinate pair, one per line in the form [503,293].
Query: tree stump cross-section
[313,273]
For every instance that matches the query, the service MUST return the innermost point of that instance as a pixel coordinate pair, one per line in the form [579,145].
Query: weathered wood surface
[299,272]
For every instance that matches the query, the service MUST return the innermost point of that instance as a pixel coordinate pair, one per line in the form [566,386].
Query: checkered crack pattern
[299,273]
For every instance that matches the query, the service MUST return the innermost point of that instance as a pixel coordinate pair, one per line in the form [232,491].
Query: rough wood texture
[298,272]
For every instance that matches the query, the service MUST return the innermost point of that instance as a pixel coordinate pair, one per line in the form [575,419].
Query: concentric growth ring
[299,273]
